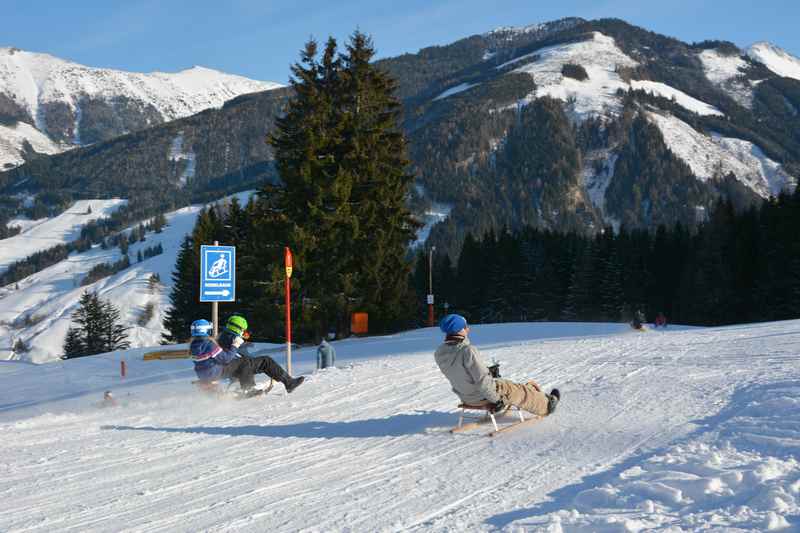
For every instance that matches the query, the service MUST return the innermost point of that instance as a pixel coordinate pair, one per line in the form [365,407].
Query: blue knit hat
[452,324]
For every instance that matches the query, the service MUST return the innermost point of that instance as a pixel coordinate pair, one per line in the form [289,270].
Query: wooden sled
[215,388]
[489,415]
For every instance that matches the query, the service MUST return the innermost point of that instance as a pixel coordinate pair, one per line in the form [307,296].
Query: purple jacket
[209,359]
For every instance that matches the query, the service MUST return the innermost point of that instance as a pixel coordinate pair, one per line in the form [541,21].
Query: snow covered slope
[726,71]
[38,309]
[48,233]
[49,94]
[716,156]
[681,98]
[597,96]
[13,139]
[599,56]
[676,430]
[776,59]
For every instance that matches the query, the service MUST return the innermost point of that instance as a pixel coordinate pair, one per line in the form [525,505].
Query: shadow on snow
[391,426]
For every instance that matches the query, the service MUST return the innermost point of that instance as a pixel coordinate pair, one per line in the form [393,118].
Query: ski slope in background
[39,235]
[38,308]
[678,430]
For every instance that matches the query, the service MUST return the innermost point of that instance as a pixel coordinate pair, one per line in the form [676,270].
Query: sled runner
[490,415]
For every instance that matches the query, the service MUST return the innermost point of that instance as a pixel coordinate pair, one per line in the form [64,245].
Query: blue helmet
[202,328]
[452,324]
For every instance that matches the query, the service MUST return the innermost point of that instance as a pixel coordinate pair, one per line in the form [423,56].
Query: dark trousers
[245,368]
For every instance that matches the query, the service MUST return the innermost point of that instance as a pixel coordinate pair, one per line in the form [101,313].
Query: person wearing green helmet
[243,366]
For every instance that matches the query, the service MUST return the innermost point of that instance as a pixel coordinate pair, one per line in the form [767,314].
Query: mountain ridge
[74,105]
[462,102]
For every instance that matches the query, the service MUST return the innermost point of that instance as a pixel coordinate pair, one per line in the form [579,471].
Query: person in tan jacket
[473,383]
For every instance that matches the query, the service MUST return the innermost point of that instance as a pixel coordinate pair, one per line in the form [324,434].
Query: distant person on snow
[472,381]
[108,400]
[227,358]
[661,320]
[638,320]
[326,355]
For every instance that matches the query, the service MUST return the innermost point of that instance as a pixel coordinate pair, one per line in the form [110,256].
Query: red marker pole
[288,264]
[122,369]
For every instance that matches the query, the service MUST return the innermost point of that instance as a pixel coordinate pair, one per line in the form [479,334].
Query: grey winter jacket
[463,366]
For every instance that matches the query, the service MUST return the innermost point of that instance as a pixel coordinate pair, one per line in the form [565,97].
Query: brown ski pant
[525,396]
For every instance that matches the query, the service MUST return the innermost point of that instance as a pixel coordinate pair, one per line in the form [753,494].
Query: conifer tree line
[340,206]
[737,267]
[97,328]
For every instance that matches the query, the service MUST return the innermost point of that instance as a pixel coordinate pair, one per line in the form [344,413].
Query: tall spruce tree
[341,206]
[374,156]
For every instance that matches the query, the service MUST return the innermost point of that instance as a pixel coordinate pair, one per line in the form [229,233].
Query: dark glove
[494,370]
[499,407]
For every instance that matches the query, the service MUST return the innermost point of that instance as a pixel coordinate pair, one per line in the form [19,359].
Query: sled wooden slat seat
[490,415]
[477,407]
[215,387]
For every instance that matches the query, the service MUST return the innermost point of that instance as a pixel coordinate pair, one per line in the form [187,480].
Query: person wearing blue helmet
[209,359]
[228,358]
[474,383]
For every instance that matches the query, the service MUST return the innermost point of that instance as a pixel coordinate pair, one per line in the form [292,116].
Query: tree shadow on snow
[391,426]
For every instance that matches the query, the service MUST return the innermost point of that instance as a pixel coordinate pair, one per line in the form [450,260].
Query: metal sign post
[217,277]
[288,262]
[430,287]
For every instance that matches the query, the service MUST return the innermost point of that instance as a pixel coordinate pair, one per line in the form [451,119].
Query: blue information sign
[217,273]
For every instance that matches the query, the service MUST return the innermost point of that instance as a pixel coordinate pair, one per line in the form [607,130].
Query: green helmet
[236,324]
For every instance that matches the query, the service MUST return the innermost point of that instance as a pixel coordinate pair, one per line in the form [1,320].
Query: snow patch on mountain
[715,156]
[727,72]
[13,139]
[179,156]
[599,56]
[776,59]
[597,95]
[680,97]
[436,212]
[598,169]
[461,87]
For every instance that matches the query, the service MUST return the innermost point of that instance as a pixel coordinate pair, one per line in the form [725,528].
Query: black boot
[293,383]
[552,401]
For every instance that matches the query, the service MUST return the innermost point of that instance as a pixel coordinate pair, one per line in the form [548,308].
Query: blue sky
[260,38]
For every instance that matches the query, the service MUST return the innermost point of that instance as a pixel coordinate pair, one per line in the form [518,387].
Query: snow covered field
[676,430]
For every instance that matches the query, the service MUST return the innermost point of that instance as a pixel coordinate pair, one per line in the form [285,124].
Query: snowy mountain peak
[71,103]
[776,59]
